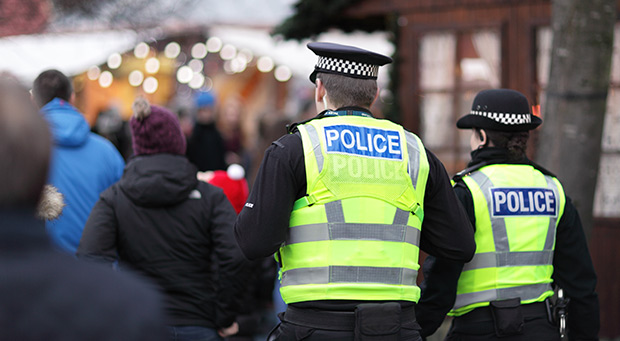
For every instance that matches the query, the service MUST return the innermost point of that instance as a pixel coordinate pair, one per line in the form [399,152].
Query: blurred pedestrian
[205,147]
[345,201]
[528,234]
[260,274]
[160,221]
[46,294]
[83,163]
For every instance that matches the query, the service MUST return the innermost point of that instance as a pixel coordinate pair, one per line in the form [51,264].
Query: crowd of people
[172,244]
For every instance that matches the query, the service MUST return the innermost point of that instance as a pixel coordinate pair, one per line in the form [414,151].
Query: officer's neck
[344,111]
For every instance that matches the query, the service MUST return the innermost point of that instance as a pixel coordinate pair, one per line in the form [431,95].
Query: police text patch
[523,201]
[363,141]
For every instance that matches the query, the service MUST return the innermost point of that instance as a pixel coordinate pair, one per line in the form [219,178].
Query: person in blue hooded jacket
[83,164]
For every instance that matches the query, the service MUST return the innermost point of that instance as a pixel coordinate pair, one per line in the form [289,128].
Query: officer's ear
[320,96]
[320,91]
[376,96]
[482,136]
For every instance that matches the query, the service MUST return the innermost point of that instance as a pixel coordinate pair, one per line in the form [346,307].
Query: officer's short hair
[51,84]
[25,147]
[345,91]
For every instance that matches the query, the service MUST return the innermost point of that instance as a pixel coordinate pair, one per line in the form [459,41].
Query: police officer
[528,237]
[345,201]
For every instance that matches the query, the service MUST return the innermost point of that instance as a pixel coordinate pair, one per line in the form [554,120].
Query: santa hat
[232,181]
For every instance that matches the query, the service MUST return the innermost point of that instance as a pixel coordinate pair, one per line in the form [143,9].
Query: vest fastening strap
[344,231]
[502,259]
[525,292]
[349,274]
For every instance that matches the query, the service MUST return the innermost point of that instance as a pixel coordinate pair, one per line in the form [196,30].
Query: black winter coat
[165,224]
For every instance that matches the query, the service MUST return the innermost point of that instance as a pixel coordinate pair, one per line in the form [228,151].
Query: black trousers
[288,332]
[479,325]
[315,328]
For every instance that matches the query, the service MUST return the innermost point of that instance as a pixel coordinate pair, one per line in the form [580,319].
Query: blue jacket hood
[68,126]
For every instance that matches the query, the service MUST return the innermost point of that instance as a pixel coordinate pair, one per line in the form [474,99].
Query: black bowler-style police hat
[346,60]
[501,110]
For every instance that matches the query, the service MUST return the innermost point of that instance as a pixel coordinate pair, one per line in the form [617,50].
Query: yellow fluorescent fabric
[356,236]
[517,210]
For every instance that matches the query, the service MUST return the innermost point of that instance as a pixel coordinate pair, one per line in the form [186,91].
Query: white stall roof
[73,53]
[26,56]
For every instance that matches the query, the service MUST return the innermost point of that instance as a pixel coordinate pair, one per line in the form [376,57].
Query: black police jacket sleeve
[446,230]
[441,279]
[262,224]
[573,271]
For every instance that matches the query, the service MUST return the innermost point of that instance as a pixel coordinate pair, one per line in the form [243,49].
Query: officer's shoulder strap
[293,127]
[460,175]
[541,169]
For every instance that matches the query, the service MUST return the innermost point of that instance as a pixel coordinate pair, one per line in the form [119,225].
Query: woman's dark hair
[515,142]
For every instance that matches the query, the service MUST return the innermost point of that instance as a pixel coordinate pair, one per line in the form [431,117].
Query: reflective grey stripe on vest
[337,229]
[316,145]
[501,259]
[525,292]
[549,242]
[349,274]
[414,158]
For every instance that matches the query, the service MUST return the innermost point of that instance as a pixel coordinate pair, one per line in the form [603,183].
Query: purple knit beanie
[155,130]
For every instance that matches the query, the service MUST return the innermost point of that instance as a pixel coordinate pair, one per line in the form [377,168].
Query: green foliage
[315,16]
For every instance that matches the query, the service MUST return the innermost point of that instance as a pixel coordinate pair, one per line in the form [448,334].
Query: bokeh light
[93,72]
[184,74]
[283,73]
[198,80]
[264,64]
[228,52]
[152,65]
[114,61]
[172,50]
[196,65]
[214,44]
[199,51]
[105,79]
[141,50]
[150,85]
[136,77]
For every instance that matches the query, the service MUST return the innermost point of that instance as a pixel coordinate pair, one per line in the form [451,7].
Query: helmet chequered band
[347,67]
[507,119]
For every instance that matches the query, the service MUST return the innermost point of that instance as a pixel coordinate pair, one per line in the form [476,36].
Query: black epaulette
[541,169]
[460,175]
[291,128]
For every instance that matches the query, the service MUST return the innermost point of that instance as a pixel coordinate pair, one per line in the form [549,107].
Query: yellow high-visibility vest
[517,210]
[355,236]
